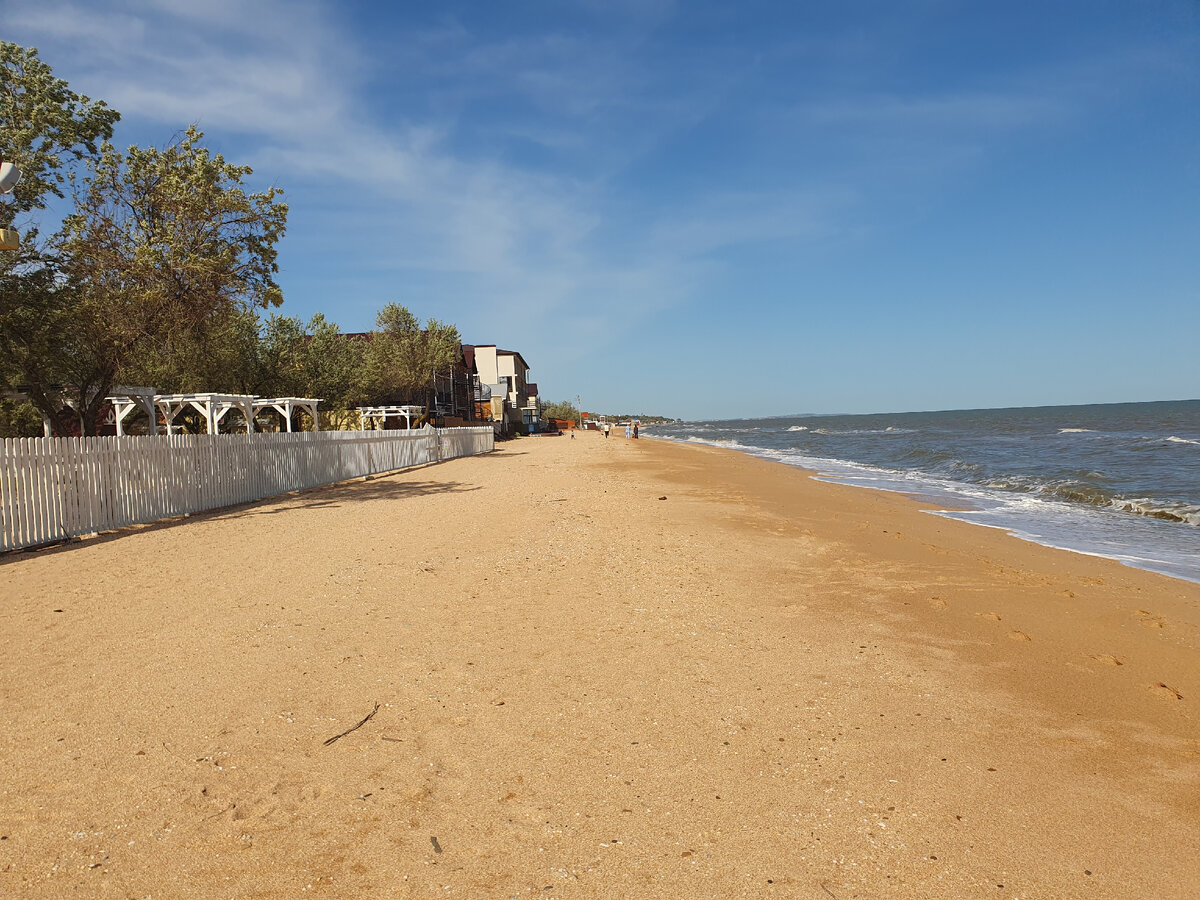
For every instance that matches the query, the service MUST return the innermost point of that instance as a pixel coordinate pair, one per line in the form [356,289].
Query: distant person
[606,429]
[628,432]
[635,430]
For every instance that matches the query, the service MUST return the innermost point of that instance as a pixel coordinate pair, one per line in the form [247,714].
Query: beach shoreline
[604,669]
[1111,480]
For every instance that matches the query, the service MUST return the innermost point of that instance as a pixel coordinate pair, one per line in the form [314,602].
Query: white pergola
[285,406]
[213,407]
[381,413]
[127,399]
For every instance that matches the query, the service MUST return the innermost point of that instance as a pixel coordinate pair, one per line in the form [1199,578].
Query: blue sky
[710,209]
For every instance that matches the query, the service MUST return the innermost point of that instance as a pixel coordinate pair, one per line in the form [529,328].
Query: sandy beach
[597,668]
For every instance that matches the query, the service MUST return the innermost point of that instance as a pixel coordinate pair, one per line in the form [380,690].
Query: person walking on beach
[606,428]
[635,430]
[628,433]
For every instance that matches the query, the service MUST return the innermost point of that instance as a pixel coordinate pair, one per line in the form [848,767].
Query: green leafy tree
[564,409]
[46,129]
[334,365]
[44,126]
[48,335]
[18,419]
[281,358]
[313,359]
[172,257]
[402,357]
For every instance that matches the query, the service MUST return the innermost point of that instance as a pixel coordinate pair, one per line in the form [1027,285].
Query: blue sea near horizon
[1115,480]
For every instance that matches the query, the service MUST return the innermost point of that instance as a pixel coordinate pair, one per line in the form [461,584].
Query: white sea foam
[1178,440]
[730,444]
[798,428]
[1076,431]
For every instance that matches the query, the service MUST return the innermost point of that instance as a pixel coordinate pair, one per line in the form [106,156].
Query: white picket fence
[57,488]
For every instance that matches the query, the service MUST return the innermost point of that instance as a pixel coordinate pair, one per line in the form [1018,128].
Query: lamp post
[10,238]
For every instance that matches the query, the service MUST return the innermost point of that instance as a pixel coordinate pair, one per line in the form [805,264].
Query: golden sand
[603,668]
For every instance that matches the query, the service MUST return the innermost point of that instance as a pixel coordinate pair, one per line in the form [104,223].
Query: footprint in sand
[1148,619]
[1018,636]
[1106,659]
[992,616]
[1165,691]
[937,602]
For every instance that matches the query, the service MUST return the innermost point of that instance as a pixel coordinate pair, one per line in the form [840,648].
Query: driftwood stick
[354,727]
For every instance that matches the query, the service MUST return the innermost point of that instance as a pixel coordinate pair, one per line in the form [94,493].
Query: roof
[531,388]
[499,352]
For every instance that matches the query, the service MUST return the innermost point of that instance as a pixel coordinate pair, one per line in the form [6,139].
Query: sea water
[1114,480]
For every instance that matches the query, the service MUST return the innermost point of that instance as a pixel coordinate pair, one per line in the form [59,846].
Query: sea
[1115,480]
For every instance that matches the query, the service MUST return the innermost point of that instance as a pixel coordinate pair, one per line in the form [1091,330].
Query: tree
[564,409]
[313,359]
[334,365]
[48,335]
[45,128]
[170,258]
[281,359]
[402,357]
[44,125]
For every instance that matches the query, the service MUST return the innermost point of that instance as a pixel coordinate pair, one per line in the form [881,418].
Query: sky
[709,209]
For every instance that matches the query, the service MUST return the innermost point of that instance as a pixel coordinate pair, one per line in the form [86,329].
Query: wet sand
[603,668]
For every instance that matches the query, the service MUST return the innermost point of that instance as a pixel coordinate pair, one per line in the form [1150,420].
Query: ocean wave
[713,442]
[855,432]
[797,428]
[1178,440]
[1089,494]
[1157,509]
[1077,431]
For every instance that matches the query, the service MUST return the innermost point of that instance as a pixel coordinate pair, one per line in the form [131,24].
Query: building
[503,389]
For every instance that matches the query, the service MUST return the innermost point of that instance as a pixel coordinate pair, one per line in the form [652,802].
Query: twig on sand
[828,891]
[354,727]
